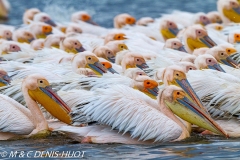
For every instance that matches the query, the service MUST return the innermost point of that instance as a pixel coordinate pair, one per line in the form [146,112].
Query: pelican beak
[174,31]
[142,66]
[230,62]
[233,14]
[98,68]
[112,71]
[191,112]
[52,103]
[182,49]
[81,49]
[216,67]
[9,39]
[208,41]
[92,22]
[5,80]
[51,22]
[30,40]
[151,88]
[111,59]
[184,84]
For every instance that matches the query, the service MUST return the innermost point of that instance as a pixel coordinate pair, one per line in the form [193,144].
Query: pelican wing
[219,91]
[14,117]
[125,109]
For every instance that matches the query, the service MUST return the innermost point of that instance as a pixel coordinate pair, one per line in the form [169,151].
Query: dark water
[103,11]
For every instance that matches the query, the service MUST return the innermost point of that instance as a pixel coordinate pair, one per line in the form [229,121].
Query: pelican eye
[148,82]
[13,47]
[190,68]
[41,81]
[222,53]
[103,64]
[229,50]
[75,43]
[177,74]
[175,44]
[89,58]
[140,74]
[170,24]
[178,93]
[199,32]
[210,60]
[137,59]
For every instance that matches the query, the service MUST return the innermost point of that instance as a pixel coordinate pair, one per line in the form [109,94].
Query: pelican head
[144,21]
[229,10]
[214,17]
[222,53]
[82,16]
[196,36]
[105,52]
[23,36]
[200,51]
[175,75]
[133,60]
[187,66]
[122,20]
[168,29]
[73,28]
[176,99]
[201,18]
[71,45]
[114,36]
[9,46]
[146,85]
[174,43]
[39,90]
[88,60]
[189,58]
[108,66]
[53,40]
[207,61]
[37,44]
[44,17]
[40,30]
[133,73]
[4,78]
[5,34]
[29,14]
[116,46]
[234,37]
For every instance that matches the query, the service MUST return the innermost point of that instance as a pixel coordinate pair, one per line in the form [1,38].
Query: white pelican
[73,28]
[19,120]
[37,44]
[144,21]
[122,20]
[22,36]
[131,60]
[88,64]
[114,36]
[40,30]
[174,43]
[29,14]
[168,29]
[9,46]
[71,45]
[196,37]
[44,17]
[131,111]
[214,17]
[54,40]
[229,10]
[83,16]
[5,33]
[105,52]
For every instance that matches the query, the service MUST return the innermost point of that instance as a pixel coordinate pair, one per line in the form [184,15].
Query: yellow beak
[191,112]
[52,103]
